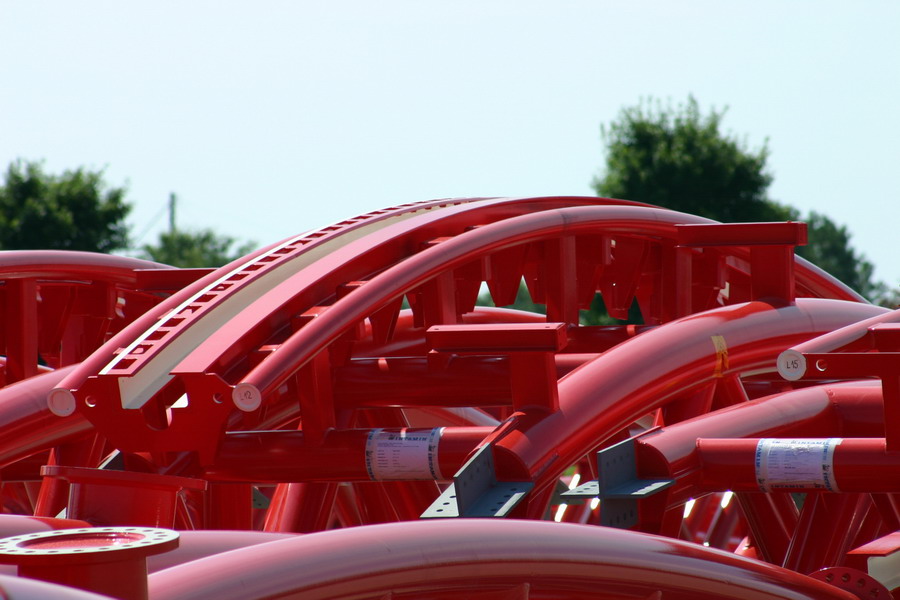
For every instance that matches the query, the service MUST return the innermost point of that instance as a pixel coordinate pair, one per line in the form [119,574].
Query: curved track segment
[483,559]
[258,332]
[351,368]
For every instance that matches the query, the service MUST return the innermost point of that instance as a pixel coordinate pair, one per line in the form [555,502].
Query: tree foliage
[830,249]
[681,159]
[72,211]
[203,248]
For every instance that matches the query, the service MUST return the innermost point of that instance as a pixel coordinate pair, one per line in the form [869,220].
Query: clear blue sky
[272,118]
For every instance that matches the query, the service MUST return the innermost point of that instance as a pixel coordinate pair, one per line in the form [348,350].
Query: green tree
[681,159]
[830,249]
[203,248]
[72,211]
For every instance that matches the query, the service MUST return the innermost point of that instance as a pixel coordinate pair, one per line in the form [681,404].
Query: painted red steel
[497,559]
[340,378]
[105,560]
[858,465]
[684,358]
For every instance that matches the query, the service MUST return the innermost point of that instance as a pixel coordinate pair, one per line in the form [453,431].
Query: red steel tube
[358,259]
[460,556]
[147,323]
[857,464]
[301,507]
[193,545]
[596,400]
[847,409]
[421,267]
[854,337]
[772,519]
[72,264]
[850,409]
[20,588]
[283,456]
[26,424]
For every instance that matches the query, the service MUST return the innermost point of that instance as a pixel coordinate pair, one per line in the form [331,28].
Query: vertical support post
[301,507]
[533,381]
[771,251]
[21,329]
[439,300]
[772,272]
[316,398]
[684,279]
[228,506]
[562,286]
[890,390]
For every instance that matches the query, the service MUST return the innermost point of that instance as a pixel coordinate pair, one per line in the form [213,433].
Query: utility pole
[172,201]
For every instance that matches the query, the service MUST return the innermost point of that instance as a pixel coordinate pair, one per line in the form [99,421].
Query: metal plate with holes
[475,491]
[618,486]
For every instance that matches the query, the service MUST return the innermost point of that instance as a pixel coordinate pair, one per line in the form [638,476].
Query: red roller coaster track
[741,441]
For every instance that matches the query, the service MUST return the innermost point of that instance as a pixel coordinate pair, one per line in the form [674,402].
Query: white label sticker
[791,365]
[802,463]
[405,454]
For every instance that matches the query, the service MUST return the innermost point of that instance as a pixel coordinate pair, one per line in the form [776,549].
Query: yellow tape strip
[721,355]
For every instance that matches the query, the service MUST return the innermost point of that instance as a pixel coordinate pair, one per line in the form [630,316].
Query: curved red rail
[341,377]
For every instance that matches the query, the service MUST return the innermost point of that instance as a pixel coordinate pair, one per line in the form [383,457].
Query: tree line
[674,157]
[680,158]
[77,210]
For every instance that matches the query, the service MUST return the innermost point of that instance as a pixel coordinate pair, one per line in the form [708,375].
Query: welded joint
[475,491]
[618,486]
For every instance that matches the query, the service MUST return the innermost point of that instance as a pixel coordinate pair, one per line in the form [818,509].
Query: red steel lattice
[347,383]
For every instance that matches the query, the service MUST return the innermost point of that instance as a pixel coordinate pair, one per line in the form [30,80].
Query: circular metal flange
[87,545]
[860,584]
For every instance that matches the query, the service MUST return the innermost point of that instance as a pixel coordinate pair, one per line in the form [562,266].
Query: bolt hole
[217,398]
[821,364]
[90,401]
[845,577]
[829,577]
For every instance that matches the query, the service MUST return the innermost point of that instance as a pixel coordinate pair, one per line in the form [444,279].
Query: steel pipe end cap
[61,402]
[246,397]
[791,365]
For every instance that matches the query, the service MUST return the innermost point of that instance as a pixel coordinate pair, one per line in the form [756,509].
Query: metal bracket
[618,486]
[259,500]
[475,491]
